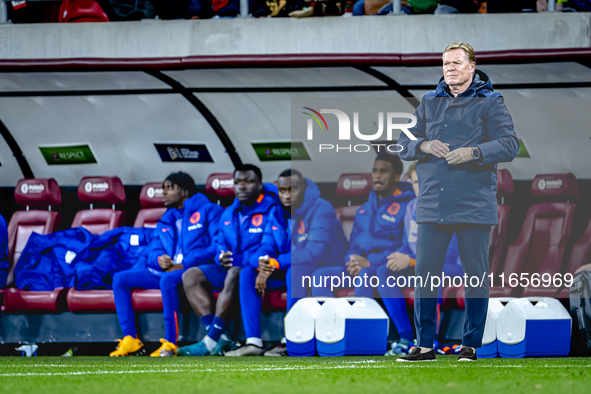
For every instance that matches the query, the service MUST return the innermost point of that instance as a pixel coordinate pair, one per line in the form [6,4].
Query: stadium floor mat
[302,375]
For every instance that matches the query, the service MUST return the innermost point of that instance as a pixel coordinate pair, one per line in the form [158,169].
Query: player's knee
[167,281]
[193,277]
[232,278]
[234,273]
[247,275]
[118,280]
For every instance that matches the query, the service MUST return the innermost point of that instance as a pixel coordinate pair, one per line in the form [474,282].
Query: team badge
[301,228]
[257,220]
[393,208]
[195,218]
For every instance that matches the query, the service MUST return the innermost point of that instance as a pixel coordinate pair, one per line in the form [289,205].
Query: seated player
[318,240]
[377,229]
[3,252]
[241,236]
[402,262]
[185,236]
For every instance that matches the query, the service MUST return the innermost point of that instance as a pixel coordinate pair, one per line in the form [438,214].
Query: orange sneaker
[168,349]
[126,346]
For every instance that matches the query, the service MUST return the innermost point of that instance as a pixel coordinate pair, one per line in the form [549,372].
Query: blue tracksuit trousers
[169,284]
[250,298]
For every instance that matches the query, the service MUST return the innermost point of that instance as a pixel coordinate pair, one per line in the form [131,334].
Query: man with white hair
[463,130]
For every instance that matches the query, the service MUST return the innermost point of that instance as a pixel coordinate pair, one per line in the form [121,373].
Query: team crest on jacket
[393,208]
[195,218]
[301,227]
[301,231]
[392,211]
[195,221]
[257,220]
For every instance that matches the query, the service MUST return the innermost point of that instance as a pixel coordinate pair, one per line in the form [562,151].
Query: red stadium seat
[541,244]
[82,11]
[346,215]
[34,302]
[580,255]
[152,205]
[97,221]
[100,189]
[221,187]
[36,193]
[146,300]
[90,301]
[350,186]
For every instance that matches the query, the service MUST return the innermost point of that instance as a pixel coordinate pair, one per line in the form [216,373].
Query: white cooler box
[351,326]
[525,330]
[300,326]
[489,347]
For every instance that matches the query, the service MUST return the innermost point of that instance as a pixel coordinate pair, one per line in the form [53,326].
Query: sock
[170,329]
[209,343]
[254,341]
[206,321]
[216,328]
[283,341]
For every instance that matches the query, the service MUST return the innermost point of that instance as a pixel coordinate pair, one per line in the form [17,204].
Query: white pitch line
[270,369]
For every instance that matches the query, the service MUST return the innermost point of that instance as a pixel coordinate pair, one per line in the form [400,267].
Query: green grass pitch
[359,375]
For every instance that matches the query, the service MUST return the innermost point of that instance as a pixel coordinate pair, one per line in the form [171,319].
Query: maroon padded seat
[97,221]
[541,244]
[146,300]
[221,186]
[346,215]
[152,205]
[350,186]
[90,301]
[580,255]
[100,189]
[95,301]
[17,301]
[31,193]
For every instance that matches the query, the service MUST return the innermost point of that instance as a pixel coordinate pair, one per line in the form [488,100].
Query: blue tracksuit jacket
[46,262]
[379,226]
[478,117]
[242,229]
[313,238]
[113,251]
[199,223]
[4,264]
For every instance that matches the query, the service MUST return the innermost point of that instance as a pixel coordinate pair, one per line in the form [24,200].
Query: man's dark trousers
[432,244]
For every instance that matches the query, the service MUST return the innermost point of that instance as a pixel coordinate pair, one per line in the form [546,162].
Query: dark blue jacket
[313,238]
[4,264]
[478,117]
[46,262]
[200,224]
[113,251]
[244,237]
[379,225]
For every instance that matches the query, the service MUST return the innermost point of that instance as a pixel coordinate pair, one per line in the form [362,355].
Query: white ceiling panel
[97,80]
[274,77]
[120,130]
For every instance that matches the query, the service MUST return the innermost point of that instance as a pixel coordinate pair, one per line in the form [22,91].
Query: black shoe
[467,354]
[415,355]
